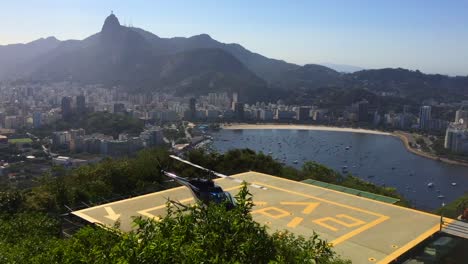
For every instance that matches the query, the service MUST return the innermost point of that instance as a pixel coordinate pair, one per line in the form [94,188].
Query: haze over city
[427,35]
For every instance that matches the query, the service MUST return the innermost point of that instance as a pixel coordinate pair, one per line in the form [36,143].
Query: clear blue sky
[429,35]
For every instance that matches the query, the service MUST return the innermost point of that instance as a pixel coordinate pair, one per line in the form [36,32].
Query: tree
[196,234]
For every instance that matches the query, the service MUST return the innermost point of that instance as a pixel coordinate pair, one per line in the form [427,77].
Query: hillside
[140,60]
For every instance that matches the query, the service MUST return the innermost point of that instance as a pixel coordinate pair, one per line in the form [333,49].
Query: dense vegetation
[96,122]
[30,219]
[203,234]
[455,208]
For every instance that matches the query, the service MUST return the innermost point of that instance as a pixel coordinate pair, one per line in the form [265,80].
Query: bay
[379,159]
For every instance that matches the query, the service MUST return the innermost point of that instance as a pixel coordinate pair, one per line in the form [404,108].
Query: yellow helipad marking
[86,217]
[323,200]
[295,222]
[355,221]
[409,245]
[111,214]
[381,218]
[146,213]
[338,192]
[265,211]
[361,229]
[310,206]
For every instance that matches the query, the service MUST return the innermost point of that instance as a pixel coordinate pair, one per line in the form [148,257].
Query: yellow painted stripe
[147,214]
[321,199]
[359,230]
[82,213]
[410,245]
[347,194]
[295,222]
[87,218]
[350,234]
[130,199]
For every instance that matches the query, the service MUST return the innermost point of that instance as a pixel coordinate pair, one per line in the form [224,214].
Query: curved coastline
[304,127]
[397,134]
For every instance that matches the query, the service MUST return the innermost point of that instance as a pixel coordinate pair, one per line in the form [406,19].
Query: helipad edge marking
[323,200]
[359,230]
[346,236]
[395,254]
[343,193]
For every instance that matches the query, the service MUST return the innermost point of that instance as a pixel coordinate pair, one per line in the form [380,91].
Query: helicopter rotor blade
[220,175]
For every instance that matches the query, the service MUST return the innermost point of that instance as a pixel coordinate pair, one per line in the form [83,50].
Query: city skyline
[423,35]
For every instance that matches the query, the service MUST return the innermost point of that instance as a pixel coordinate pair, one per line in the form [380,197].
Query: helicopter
[206,190]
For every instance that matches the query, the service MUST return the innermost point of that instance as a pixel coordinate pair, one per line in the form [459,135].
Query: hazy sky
[429,35]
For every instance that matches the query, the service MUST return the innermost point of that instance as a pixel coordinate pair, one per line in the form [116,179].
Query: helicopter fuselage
[205,190]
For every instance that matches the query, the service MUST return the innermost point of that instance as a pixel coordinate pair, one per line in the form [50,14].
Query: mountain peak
[111,24]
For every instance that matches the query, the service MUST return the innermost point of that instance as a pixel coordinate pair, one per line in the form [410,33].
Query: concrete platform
[360,229]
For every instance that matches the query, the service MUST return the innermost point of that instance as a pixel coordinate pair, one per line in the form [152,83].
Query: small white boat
[441,196]
[454,184]
[431,184]
[295,162]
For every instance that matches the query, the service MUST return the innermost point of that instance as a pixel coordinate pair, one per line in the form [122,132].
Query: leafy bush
[196,234]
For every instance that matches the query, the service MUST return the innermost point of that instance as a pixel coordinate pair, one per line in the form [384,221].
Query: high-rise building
[425,117]
[461,117]
[361,110]
[266,114]
[456,139]
[192,108]
[37,119]
[303,113]
[239,111]
[2,119]
[235,100]
[66,107]
[80,104]
[235,97]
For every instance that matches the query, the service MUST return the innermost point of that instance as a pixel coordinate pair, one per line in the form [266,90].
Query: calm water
[380,159]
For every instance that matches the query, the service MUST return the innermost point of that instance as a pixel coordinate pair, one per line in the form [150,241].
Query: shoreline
[398,134]
[402,136]
[303,127]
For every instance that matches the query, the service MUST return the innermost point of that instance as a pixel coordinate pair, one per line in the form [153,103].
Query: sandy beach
[304,127]
[401,135]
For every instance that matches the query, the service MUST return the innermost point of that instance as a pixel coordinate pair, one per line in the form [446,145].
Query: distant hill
[310,76]
[407,83]
[140,60]
[11,56]
[342,67]
[264,67]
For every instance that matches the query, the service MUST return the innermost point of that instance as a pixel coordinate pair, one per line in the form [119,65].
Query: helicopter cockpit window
[218,197]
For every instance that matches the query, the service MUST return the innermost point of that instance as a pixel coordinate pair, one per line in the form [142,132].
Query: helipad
[363,230]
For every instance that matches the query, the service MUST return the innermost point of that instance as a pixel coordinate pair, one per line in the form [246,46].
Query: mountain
[407,83]
[140,60]
[264,67]
[13,55]
[342,67]
[116,49]
[137,59]
[309,76]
